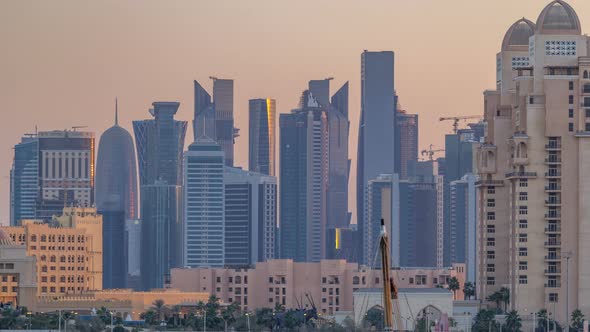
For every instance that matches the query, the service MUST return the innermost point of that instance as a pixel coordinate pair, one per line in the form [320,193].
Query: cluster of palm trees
[501,296]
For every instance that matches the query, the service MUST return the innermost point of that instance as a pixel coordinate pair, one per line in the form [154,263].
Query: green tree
[495,297]
[454,286]
[484,321]
[513,321]
[577,320]
[231,313]
[468,290]
[374,318]
[505,297]
[159,307]
[150,317]
[264,318]
[542,319]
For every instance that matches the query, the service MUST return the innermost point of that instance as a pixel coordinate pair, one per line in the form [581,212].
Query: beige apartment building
[329,283]
[534,167]
[68,251]
[17,273]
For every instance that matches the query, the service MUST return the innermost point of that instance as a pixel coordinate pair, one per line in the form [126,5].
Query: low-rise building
[329,283]
[17,273]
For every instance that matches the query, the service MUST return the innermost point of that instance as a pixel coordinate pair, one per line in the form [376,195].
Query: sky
[62,63]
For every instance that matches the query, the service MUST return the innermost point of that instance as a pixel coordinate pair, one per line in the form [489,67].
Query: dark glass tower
[376,142]
[262,137]
[160,143]
[116,199]
[24,180]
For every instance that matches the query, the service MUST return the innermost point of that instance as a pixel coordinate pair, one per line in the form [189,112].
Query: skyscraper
[304,180]
[262,137]
[204,204]
[407,141]
[377,124]
[160,145]
[464,223]
[219,112]
[116,199]
[66,171]
[250,217]
[534,165]
[24,177]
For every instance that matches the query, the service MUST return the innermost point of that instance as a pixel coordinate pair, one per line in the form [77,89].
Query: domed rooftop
[518,34]
[5,238]
[558,18]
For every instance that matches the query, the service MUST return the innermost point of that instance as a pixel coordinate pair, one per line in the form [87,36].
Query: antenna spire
[116,111]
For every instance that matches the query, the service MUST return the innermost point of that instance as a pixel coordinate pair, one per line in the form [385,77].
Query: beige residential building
[17,273]
[329,283]
[68,253]
[534,167]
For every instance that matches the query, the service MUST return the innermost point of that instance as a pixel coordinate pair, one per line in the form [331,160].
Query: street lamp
[110,312]
[568,255]
[248,316]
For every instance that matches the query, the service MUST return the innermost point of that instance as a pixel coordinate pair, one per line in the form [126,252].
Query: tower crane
[390,294]
[75,128]
[430,152]
[456,120]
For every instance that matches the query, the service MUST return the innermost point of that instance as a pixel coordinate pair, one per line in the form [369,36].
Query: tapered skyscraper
[377,124]
[215,118]
[116,199]
[262,137]
[160,143]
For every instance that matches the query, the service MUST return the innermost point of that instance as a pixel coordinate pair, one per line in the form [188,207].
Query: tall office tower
[377,124]
[204,218]
[219,112]
[464,223]
[406,132]
[304,180]
[459,158]
[533,193]
[160,144]
[133,249]
[66,171]
[24,177]
[250,217]
[116,199]
[381,197]
[262,137]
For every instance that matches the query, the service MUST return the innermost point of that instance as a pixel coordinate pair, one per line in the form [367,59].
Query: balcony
[552,243]
[553,270]
[553,202]
[553,174]
[553,187]
[552,215]
[554,229]
[555,284]
[553,146]
[553,257]
[521,175]
[553,160]
[489,183]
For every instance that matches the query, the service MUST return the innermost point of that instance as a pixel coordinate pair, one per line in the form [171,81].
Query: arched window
[43,258]
[52,259]
[355,280]
[43,238]
[585,74]
[33,238]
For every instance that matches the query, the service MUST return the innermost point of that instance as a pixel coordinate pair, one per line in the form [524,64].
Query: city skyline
[87,67]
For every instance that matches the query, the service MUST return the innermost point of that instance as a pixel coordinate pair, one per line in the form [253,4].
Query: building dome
[5,238]
[558,18]
[518,34]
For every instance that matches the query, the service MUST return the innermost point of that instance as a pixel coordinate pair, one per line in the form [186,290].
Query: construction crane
[75,128]
[456,120]
[430,152]
[390,294]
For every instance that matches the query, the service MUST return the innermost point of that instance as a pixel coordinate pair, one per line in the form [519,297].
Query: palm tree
[505,297]
[159,308]
[513,321]
[577,320]
[496,298]
[454,286]
[468,290]
[542,319]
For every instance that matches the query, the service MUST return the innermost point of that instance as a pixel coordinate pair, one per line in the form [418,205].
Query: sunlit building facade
[262,136]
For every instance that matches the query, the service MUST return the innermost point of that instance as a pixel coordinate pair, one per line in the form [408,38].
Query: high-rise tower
[262,137]
[24,177]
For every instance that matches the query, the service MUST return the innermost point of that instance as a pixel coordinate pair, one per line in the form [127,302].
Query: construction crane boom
[456,120]
[390,294]
[430,152]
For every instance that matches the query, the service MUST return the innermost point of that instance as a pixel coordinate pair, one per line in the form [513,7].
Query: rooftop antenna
[116,111]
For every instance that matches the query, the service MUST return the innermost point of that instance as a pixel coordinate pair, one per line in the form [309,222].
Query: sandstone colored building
[17,273]
[329,283]
[68,252]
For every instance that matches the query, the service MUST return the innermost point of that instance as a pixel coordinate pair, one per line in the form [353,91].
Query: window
[491,241]
[522,252]
[491,268]
[553,297]
[355,280]
[491,202]
[570,127]
[571,85]
[523,210]
[491,280]
[585,74]
[411,280]
[491,215]
[522,279]
[523,224]
[218,279]
[587,127]
[491,229]
[523,196]
[491,254]
[570,113]
[523,183]
[491,190]
[588,112]
[270,280]
[571,99]
[522,266]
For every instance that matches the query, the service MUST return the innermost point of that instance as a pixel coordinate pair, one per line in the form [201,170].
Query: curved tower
[116,198]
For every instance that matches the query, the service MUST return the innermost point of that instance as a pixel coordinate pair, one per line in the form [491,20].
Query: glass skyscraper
[377,124]
[116,199]
[262,137]
[24,180]
[160,143]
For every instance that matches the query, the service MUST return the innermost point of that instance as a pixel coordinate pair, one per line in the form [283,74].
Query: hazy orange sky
[63,62]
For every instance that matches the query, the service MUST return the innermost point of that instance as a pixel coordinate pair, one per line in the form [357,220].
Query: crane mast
[390,294]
